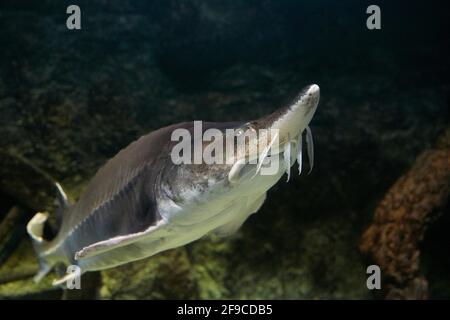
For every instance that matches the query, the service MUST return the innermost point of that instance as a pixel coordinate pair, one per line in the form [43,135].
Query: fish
[142,202]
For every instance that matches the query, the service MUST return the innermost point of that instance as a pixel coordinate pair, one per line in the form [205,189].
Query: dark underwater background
[71,99]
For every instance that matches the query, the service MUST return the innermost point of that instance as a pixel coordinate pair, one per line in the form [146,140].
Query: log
[401,220]
[12,229]
[28,185]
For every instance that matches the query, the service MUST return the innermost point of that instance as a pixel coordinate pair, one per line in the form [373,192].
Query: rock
[16,277]
[400,221]
[164,276]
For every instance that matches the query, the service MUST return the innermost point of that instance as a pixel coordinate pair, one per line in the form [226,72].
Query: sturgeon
[141,203]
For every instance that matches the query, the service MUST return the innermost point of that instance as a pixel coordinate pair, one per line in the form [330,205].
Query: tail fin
[35,229]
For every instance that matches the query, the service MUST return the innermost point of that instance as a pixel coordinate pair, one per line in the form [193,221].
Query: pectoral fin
[249,208]
[119,241]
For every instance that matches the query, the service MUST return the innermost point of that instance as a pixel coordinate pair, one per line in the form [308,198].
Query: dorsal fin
[61,196]
[35,229]
[62,203]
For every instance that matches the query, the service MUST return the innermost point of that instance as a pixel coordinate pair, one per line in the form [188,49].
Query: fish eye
[244,129]
[239,132]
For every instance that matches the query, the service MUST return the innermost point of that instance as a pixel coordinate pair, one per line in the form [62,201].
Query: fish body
[141,203]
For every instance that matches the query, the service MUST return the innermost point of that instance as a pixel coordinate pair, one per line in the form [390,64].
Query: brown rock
[400,221]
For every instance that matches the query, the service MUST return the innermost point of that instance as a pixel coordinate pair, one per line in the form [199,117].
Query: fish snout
[292,120]
[309,97]
[314,91]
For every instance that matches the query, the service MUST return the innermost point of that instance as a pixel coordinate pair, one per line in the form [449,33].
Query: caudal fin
[35,229]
